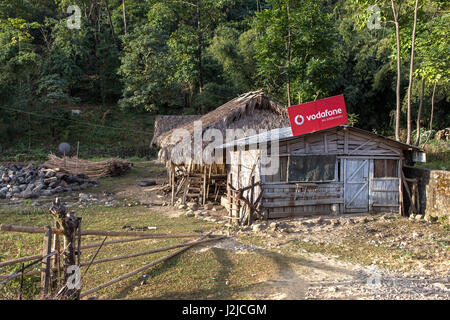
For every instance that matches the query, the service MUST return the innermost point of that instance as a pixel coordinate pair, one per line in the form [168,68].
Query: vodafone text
[299,119]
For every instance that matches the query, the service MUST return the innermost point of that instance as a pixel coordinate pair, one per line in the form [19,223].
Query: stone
[84,186]
[335,222]
[273,225]
[204,213]
[417,235]
[430,219]
[53,184]
[349,221]
[440,286]
[318,220]
[26,194]
[418,217]
[50,174]
[258,227]
[58,189]
[46,193]
[190,213]
[83,197]
[146,183]
[182,206]
[192,205]
[63,184]
[38,188]
[208,206]
[50,180]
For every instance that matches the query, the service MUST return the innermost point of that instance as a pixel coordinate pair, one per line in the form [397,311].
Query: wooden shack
[334,171]
[198,181]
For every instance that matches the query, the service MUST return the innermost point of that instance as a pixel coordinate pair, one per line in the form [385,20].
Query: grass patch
[206,274]
[139,170]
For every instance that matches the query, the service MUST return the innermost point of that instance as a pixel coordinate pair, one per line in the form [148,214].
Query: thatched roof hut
[164,123]
[252,110]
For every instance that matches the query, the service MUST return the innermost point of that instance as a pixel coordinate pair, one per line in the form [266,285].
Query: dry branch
[93,169]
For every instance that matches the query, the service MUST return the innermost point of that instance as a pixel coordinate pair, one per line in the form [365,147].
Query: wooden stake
[55,262]
[204,187]
[45,271]
[172,201]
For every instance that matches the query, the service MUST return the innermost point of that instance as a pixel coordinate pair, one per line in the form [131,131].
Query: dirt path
[321,277]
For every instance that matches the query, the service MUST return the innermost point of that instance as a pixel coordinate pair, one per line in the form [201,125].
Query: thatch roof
[252,110]
[164,123]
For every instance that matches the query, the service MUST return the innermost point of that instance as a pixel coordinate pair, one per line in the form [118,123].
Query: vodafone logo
[299,120]
[317,115]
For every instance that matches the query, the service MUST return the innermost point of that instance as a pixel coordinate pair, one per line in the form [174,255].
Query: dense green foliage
[131,59]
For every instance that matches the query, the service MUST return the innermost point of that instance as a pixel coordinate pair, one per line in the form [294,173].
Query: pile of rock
[37,181]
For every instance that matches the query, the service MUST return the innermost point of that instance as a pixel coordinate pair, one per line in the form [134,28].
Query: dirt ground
[380,256]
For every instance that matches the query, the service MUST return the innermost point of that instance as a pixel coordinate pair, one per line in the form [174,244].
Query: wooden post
[69,224]
[79,243]
[230,212]
[172,200]
[45,271]
[55,262]
[204,186]
[252,195]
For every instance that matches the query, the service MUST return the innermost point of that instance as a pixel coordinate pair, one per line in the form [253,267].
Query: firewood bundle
[93,169]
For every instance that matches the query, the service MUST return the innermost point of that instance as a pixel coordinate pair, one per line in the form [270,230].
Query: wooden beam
[15,228]
[132,273]
[294,203]
[45,270]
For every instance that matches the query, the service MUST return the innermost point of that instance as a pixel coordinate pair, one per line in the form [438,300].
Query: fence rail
[439,156]
[50,259]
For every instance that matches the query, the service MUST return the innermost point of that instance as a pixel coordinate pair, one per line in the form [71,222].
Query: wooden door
[356,185]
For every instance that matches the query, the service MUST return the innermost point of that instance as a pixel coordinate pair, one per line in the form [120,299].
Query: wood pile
[93,169]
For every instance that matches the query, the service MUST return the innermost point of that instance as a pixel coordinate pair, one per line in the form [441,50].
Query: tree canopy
[190,56]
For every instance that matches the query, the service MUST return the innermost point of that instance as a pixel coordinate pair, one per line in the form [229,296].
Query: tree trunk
[111,25]
[288,58]
[397,34]
[411,70]
[124,16]
[419,112]
[432,107]
[199,48]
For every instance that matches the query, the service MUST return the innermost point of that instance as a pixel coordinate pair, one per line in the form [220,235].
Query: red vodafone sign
[317,115]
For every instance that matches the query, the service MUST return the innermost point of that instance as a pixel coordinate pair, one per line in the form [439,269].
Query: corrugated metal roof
[286,134]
